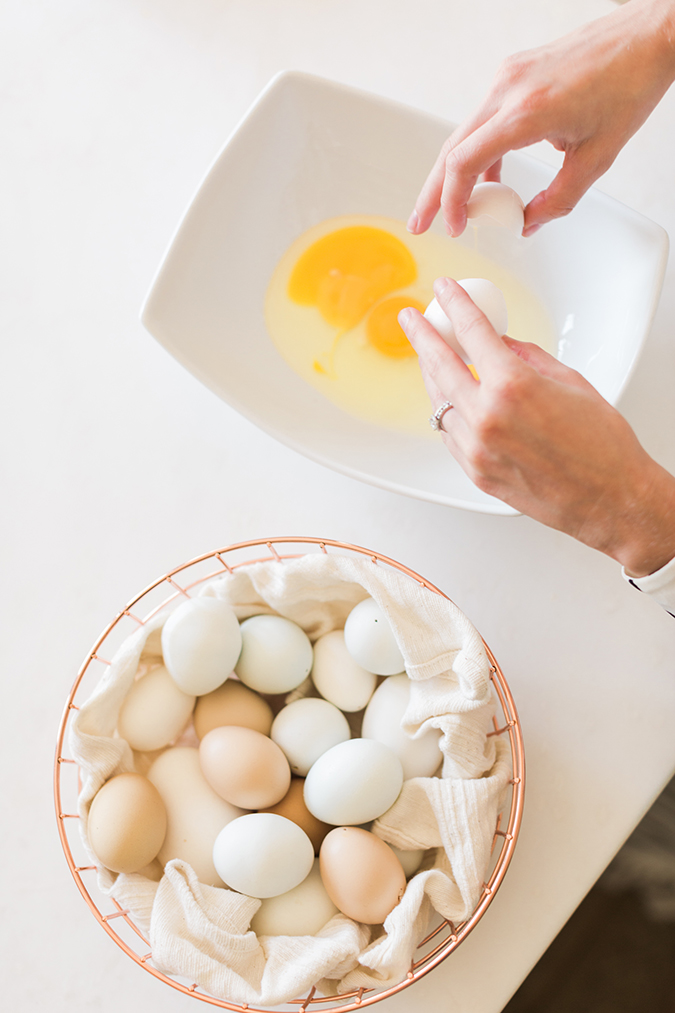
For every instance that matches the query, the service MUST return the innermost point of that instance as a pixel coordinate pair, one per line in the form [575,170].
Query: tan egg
[244,767]
[293,807]
[127,823]
[154,712]
[232,704]
[361,874]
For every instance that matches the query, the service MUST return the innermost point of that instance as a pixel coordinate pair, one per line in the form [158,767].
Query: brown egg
[361,874]
[127,823]
[244,767]
[232,704]
[293,807]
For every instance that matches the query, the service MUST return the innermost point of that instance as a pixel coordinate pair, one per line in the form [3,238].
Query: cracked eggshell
[201,641]
[495,203]
[488,298]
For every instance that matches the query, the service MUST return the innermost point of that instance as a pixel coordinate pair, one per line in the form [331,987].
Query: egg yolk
[347,271]
[384,331]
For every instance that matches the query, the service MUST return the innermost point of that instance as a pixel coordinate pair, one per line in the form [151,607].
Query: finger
[546,364]
[429,199]
[466,161]
[473,330]
[578,173]
[451,375]
[494,173]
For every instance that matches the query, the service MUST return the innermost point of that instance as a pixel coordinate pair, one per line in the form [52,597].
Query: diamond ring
[437,417]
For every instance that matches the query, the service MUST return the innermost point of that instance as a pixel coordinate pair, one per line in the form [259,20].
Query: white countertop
[118,465]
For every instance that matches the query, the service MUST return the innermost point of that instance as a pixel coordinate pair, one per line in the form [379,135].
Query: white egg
[276,654]
[338,677]
[307,728]
[195,814]
[370,640]
[263,855]
[488,298]
[302,911]
[382,722]
[353,783]
[201,642]
[410,860]
[155,711]
[496,204]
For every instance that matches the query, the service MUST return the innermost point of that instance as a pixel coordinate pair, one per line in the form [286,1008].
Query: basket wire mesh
[184,580]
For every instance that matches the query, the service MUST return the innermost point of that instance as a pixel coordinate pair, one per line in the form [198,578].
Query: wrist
[645,533]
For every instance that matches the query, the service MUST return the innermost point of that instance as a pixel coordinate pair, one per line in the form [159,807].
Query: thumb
[577,174]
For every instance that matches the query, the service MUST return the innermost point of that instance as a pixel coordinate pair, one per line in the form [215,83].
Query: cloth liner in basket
[202,932]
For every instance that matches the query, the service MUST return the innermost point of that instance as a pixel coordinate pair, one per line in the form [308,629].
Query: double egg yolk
[349,275]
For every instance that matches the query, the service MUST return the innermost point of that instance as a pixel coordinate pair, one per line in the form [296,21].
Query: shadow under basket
[186,580]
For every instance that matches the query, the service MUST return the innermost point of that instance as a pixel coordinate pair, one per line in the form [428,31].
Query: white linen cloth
[202,932]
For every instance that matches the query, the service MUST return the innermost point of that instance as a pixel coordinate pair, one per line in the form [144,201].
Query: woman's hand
[587,94]
[537,435]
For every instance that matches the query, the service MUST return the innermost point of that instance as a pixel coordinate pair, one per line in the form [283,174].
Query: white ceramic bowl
[310,149]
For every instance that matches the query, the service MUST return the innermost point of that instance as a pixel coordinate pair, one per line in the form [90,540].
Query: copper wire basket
[118,923]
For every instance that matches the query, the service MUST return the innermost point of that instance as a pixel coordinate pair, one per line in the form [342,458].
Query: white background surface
[117,465]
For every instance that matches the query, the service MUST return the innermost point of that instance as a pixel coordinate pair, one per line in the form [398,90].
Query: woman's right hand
[586,94]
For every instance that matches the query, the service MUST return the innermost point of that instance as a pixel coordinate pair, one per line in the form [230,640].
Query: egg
[293,807]
[244,767]
[263,855]
[370,639]
[276,654]
[420,757]
[201,641]
[302,911]
[489,301]
[232,704]
[332,304]
[306,728]
[154,712]
[354,782]
[338,677]
[127,823]
[410,860]
[361,874]
[496,204]
[195,813]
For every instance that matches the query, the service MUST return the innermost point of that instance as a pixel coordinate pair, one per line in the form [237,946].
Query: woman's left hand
[537,435]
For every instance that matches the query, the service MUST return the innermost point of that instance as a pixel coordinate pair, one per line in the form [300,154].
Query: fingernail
[404,318]
[413,222]
[440,285]
[530,231]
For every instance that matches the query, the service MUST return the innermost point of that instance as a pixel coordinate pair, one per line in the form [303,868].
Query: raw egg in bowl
[326,372]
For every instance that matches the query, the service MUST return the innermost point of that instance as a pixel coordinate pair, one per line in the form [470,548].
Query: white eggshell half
[201,642]
[276,654]
[338,677]
[496,204]
[263,855]
[488,298]
[419,757]
[353,783]
[195,814]
[155,711]
[302,911]
[370,640]
[307,728]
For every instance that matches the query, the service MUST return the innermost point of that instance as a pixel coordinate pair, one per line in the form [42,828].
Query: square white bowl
[311,149]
